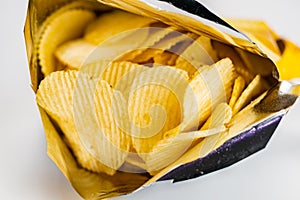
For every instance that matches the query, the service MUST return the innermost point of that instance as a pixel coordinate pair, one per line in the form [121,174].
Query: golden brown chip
[243,120]
[55,96]
[176,143]
[199,53]
[154,105]
[225,51]
[118,75]
[74,53]
[164,58]
[255,88]
[209,88]
[238,87]
[94,103]
[221,116]
[115,144]
[164,151]
[109,24]
[156,45]
[169,55]
[57,29]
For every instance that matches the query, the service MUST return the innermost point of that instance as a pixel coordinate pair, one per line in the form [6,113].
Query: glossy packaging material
[246,139]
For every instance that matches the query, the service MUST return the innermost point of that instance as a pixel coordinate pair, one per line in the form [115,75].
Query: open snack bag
[134,92]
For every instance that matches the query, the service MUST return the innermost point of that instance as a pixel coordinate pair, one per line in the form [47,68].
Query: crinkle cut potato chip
[146,48]
[150,148]
[112,23]
[159,92]
[73,54]
[171,148]
[159,40]
[119,75]
[114,143]
[225,51]
[55,96]
[63,27]
[210,86]
[169,55]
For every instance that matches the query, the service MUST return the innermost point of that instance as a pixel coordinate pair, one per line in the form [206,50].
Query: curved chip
[57,29]
[109,24]
[74,53]
[199,53]
[225,51]
[171,54]
[175,145]
[159,40]
[238,87]
[154,106]
[97,125]
[55,96]
[209,88]
[220,116]
[118,75]
[255,88]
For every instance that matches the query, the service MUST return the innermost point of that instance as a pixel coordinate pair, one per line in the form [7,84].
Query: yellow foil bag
[229,133]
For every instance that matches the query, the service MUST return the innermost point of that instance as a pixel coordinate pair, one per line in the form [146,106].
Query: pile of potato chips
[130,93]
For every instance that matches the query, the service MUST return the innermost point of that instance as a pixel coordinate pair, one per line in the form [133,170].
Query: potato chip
[238,87]
[170,55]
[243,120]
[220,117]
[154,105]
[153,51]
[255,88]
[118,75]
[112,145]
[165,151]
[209,88]
[175,144]
[55,95]
[225,51]
[164,58]
[59,28]
[126,46]
[199,53]
[74,53]
[112,23]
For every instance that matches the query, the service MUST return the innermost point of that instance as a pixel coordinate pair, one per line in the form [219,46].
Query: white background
[27,173]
